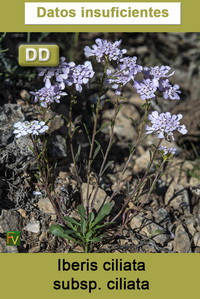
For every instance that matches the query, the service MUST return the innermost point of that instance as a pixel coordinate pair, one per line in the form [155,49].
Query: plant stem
[44,176]
[86,248]
[102,169]
[78,178]
[119,185]
[139,185]
[96,115]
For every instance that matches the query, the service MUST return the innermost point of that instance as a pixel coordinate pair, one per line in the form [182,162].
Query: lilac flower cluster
[67,74]
[47,95]
[158,72]
[104,49]
[33,127]
[146,88]
[165,124]
[126,71]
[167,151]
[81,74]
[156,78]
[59,73]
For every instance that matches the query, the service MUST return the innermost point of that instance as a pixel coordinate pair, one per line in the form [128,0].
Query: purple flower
[165,124]
[104,49]
[33,127]
[162,74]
[171,92]
[167,151]
[158,72]
[81,74]
[66,74]
[45,96]
[60,73]
[125,72]
[146,88]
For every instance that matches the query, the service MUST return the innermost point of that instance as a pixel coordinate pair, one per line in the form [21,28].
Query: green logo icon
[13,238]
[38,55]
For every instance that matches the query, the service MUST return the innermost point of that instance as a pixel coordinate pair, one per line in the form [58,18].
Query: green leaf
[40,155]
[108,165]
[105,210]
[103,127]
[83,226]
[99,145]
[96,239]
[38,177]
[89,235]
[97,151]
[81,211]
[98,227]
[59,231]
[91,217]
[71,220]
[144,106]
[65,118]
[31,148]
[76,128]
[150,154]
[119,108]
[87,132]
[78,153]
[131,148]
[157,232]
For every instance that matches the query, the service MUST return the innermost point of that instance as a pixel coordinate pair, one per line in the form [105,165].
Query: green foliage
[86,230]
[194,172]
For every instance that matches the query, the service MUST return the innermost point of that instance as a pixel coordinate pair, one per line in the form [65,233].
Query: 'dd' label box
[38,55]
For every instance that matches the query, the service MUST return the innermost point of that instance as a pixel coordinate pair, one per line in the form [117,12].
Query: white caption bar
[96,13]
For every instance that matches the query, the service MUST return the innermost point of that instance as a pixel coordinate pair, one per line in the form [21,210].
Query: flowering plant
[69,79]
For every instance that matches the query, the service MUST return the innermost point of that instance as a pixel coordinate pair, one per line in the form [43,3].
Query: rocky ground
[169,221]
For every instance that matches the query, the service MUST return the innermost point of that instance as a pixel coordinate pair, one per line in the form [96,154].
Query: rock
[43,237]
[182,243]
[141,162]
[7,249]
[10,221]
[195,190]
[17,149]
[194,181]
[150,229]
[63,175]
[196,239]
[24,144]
[177,197]
[160,215]
[56,121]
[177,171]
[35,249]
[22,212]
[25,95]
[101,197]
[45,206]
[33,226]
[57,147]
[123,127]
[129,110]
[9,115]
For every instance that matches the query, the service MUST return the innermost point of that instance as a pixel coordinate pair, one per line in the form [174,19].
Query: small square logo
[13,238]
